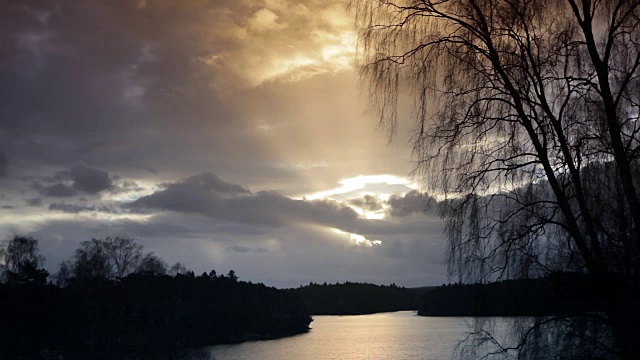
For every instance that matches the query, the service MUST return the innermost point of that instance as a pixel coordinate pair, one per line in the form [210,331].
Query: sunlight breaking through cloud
[367,214]
[276,43]
[198,128]
[360,182]
[358,239]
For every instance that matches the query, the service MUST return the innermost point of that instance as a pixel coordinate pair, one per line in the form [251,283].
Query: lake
[397,335]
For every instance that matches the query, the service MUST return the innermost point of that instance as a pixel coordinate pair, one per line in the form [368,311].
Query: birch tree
[526,126]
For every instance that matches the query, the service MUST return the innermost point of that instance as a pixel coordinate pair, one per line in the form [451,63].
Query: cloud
[282,41]
[210,182]
[361,186]
[368,202]
[272,210]
[3,164]
[84,180]
[410,203]
[78,208]
[131,92]
[265,20]
[231,227]
[245,249]
[70,208]
[208,195]
[56,190]
[34,201]
[155,91]
[90,180]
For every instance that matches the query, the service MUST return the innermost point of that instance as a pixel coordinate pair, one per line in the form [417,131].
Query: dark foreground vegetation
[559,294]
[145,314]
[526,121]
[356,298]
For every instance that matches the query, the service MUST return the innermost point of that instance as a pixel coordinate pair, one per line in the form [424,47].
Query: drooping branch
[507,98]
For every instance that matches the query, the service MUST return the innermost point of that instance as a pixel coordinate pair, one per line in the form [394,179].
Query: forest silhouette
[92,312]
[113,300]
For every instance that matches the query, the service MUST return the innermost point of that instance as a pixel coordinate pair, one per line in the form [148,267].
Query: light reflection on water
[399,335]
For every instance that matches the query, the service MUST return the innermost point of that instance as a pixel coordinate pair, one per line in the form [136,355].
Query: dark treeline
[100,308]
[352,298]
[558,294]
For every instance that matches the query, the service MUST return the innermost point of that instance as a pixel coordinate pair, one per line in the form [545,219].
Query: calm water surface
[399,335]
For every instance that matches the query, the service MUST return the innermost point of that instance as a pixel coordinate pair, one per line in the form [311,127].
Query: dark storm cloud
[70,208]
[85,180]
[34,201]
[207,195]
[3,164]
[409,203]
[98,82]
[56,190]
[90,180]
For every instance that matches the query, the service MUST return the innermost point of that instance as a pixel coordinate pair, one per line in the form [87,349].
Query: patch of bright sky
[351,185]
[377,215]
[141,188]
[330,49]
[380,186]
[358,239]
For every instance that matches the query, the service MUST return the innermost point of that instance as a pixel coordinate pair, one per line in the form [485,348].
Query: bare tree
[93,261]
[21,252]
[64,274]
[126,253]
[178,269]
[151,264]
[111,258]
[526,125]
[22,261]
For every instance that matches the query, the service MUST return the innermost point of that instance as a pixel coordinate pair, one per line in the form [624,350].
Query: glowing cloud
[359,183]
[265,20]
[358,239]
[285,43]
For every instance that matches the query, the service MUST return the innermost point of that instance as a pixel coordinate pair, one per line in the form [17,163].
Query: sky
[226,134]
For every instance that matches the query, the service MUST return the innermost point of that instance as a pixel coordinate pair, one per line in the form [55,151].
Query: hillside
[143,315]
[355,298]
[556,294]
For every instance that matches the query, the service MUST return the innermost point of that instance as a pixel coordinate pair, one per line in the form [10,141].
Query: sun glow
[366,214]
[360,182]
[334,53]
[374,215]
[358,239]
[132,191]
[283,44]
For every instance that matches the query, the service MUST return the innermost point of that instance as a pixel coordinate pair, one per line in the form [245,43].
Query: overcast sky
[223,134]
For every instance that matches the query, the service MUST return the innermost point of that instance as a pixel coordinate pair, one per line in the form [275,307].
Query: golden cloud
[280,41]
